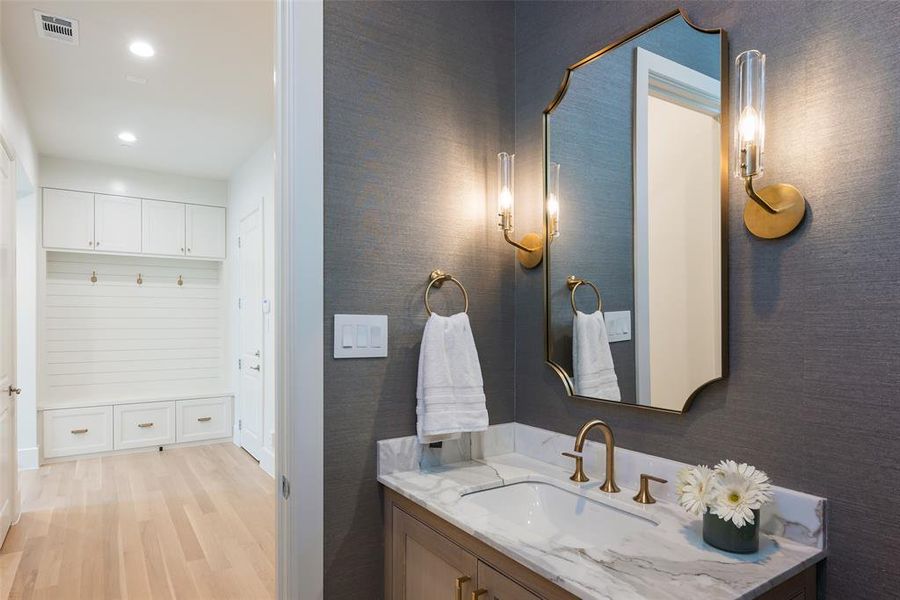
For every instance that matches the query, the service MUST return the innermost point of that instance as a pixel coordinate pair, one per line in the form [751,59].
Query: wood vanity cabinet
[425,557]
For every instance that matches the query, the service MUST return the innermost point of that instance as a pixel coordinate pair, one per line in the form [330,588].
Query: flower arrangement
[730,491]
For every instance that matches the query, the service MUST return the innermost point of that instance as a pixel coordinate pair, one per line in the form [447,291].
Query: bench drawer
[71,431]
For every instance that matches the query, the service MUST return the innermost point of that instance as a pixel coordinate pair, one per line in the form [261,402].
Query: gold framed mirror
[636,202]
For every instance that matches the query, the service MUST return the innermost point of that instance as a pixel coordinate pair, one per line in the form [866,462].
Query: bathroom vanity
[495,516]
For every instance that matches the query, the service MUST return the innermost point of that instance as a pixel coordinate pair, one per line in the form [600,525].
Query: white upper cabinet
[68,220]
[163,228]
[205,231]
[117,224]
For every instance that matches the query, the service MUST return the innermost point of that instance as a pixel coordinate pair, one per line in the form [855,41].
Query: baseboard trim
[267,461]
[28,459]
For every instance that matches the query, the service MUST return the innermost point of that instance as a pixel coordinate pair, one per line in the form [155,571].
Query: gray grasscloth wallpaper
[418,99]
[813,395]
[420,96]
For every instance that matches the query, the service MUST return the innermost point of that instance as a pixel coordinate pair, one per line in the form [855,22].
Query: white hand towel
[450,390]
[595,374]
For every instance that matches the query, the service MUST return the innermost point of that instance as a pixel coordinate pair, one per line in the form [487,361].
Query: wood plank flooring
[196,522]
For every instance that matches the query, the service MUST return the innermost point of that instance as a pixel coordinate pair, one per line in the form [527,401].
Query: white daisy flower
[695,488]
[740,489]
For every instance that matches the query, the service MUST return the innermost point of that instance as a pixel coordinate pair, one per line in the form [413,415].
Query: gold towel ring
[573,282]
[437,279]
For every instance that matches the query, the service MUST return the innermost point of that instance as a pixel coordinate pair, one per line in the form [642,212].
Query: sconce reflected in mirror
[529,250]
[552,202]
[776,209]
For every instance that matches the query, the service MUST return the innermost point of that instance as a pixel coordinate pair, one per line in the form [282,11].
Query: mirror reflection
[634,166]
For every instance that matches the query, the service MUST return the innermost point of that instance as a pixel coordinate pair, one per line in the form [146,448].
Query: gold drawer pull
[204,419]
[77,431]
[478,593]
[145,425]
[459,585]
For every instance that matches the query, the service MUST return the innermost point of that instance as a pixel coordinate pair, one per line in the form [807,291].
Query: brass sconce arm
[748,187]
[509,240]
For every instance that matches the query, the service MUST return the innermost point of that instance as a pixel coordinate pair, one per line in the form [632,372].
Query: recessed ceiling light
[127,137]
[142,49]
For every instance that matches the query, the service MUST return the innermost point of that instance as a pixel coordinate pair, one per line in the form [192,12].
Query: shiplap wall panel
[117,340]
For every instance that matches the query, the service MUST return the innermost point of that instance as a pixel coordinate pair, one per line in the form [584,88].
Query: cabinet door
[500,587]
[68,220]
[205,226]
[426,565]
[162,230]
[117,223]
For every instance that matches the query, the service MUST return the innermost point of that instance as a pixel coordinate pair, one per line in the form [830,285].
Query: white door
[117,223]
[162,230]
[8,471]
[68,220]
[205,226]
[250,392]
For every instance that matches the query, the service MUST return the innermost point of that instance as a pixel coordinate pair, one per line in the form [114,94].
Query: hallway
[192,522]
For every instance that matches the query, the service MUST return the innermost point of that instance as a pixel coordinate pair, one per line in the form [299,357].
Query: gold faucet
[610,484]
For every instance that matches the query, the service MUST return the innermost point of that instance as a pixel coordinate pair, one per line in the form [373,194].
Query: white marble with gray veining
[665,562]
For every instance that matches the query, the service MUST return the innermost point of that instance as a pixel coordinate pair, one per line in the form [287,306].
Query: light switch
[375,336]
[360,336]
[347,336]
[618,325]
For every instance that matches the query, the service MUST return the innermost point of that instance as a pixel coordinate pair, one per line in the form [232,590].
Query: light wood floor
[194,522]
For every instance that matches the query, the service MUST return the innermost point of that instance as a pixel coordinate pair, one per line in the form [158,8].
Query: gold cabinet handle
[643,496]
[145,425]
[478,593]
[460,581]
[204,419]
[77,431]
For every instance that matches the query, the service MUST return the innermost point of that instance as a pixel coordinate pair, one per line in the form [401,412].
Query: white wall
[87,176]
[252,184]
[16,133]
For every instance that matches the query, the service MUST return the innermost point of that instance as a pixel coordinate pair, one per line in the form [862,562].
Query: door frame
[15,499]
[299,306]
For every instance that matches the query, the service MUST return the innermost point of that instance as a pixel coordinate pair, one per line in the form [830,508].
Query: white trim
[28,459]
[299,253]
[267,461]
[694,90]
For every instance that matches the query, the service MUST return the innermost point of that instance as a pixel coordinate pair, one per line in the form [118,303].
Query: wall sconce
[553,203]
[776,209]
[529,250]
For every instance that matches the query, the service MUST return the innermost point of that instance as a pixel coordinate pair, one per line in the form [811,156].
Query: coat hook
[140,280]
[180,280]
[93,276]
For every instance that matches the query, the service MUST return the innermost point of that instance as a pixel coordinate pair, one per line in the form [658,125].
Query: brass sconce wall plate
[532,253]
[776,210]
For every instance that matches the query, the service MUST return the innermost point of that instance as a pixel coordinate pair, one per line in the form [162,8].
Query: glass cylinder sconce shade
[505,192]
[750,128]
[553,201]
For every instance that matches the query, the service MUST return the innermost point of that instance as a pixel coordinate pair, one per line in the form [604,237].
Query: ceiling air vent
[56,28]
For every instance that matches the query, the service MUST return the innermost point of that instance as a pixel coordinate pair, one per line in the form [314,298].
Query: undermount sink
[550,512]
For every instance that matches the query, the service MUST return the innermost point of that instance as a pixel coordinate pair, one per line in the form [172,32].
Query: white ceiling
[208,102]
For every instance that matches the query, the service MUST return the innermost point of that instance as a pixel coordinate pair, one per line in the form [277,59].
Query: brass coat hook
[180,281]
[140,280]
[93,276]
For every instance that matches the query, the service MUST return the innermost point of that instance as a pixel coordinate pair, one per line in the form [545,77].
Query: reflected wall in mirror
[635,162]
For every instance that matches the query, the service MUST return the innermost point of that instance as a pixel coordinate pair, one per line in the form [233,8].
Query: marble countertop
[668,561]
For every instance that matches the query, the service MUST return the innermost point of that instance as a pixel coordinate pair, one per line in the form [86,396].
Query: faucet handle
[643,496]
[578,476]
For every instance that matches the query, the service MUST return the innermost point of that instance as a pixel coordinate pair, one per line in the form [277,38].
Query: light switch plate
[360,336]
[618,325]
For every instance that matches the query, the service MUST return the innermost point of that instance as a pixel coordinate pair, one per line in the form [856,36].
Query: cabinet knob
[90,243]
